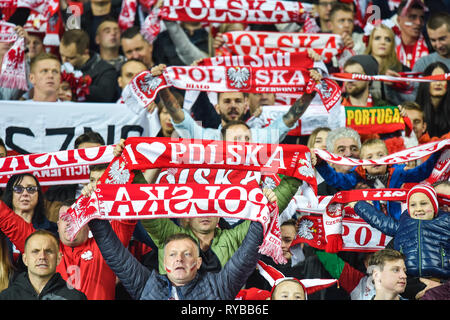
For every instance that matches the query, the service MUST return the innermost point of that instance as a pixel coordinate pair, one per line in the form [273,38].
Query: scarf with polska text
[405,78]
[13,66]
[136,201]
[255,42]
[55,168]
[232,11]
[327,224]
[147,153]
[143,88]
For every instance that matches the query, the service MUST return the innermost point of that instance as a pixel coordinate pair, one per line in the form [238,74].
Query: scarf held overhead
[255,42]
[234,11]
[133,201]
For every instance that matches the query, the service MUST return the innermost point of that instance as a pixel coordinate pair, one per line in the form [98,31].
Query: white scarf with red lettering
[55,168]
[405,78]
[136,201]
[13,67]
[280,72]
[257,43]
[440,172]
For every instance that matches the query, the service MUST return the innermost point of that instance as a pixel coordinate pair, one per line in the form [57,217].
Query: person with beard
[358,92]
[233,106]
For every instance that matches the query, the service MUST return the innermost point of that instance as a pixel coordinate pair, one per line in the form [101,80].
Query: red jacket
[83,267]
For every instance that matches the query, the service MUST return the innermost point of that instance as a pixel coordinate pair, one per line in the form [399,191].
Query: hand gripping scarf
[193,200]
[255,42]
[286,73]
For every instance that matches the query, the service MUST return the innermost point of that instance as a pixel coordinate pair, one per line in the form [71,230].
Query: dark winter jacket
[104,79]
[144,284]
[425,243]
[55,289]
[441,292]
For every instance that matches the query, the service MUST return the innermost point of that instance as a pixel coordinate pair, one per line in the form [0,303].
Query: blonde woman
[381,46]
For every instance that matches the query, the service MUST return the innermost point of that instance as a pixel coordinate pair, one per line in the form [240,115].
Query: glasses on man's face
[19,189]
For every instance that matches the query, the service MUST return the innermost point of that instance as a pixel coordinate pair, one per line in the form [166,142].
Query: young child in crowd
[377,176]
[422,233]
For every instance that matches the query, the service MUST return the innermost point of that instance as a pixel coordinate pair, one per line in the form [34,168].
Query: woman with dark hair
[23,194]
[434,99]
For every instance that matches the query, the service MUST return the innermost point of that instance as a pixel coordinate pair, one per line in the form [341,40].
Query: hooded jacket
[55,289]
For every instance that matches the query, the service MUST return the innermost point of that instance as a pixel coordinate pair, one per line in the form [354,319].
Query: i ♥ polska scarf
[192,200]
[280,72]
[257,43]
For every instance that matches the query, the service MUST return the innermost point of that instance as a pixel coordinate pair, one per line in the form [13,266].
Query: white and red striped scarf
[294,78]
[257,43]
[13,66]
[405,77]
[55,168]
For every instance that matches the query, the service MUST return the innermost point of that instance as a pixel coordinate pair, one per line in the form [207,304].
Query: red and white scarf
[405,78]
[55,168]
[143,87]
[13,67]
[135,201]
[144,153]
[257,43]
[232,11]
[420,50]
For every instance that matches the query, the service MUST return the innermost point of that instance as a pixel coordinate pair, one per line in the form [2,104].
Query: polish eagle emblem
[149,83]
[238,77]
[305,169]
[305,229]
[118,174]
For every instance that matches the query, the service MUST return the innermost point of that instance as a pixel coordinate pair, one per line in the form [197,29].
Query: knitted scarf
[13,66]
[255,42]
[260,73]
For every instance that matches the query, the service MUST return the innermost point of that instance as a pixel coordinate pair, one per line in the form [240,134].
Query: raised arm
[131,272]
[170,102]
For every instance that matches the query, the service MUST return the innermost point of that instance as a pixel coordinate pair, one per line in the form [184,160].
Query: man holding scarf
[232,106]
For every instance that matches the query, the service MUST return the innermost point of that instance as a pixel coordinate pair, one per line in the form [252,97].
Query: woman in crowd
[435,101]
[23,194]
[381,46]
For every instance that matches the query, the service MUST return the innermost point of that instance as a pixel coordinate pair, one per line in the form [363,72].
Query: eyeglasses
[19,189]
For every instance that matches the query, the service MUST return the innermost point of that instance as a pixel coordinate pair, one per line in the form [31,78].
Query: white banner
[41,127]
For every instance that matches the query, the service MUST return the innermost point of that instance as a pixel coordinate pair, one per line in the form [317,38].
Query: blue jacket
[144,284]
[398,176]
[425,243]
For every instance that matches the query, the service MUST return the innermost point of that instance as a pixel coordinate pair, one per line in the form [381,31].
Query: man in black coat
[41,281]
[74,48]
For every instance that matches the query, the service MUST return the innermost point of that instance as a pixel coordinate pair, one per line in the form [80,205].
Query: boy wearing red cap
[422,233]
